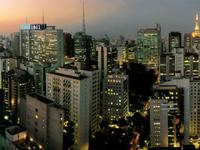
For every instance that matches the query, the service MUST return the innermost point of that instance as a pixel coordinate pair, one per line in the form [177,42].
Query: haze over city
[114,17]
[99,75]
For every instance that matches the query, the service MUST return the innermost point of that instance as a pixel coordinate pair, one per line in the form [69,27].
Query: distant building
[187,40]
[179,63]
[196,35]
[83,45]
[6,64]
[107,58]
[174,40]
[115,96]
[171,64]
[191,65]
[192,40]
[68,45]
[149,46]
[15,43]
[102,50]
[125,54]
[106,62]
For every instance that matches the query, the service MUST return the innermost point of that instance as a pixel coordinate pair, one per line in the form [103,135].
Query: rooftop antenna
[26,20]
[43,16]
[84,26]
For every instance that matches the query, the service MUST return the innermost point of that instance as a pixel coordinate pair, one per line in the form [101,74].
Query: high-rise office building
[15,43]
[7,63]
[38,72]
[166,116]
[172,64]
[68,45]
[179,63]
[115,96]
[42,44]
[102,50]
[174,40]
[16,84]
[94,86]
[162,124]
[167,66]
[185,85]
[187,40]
[125,54]
[107,57]
[83,45]
[191,65]
[195,108]
[149,46]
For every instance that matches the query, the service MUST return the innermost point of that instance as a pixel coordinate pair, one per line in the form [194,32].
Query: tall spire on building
[26,20]
[84,26]
[197,23]
[42,16]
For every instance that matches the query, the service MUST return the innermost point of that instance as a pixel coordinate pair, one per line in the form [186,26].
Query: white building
[78,92]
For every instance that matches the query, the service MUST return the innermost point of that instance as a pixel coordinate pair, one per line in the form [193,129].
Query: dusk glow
[100,74]
[103,16]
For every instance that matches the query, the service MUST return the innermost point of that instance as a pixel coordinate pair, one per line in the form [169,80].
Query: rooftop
[41,98]
[14,130]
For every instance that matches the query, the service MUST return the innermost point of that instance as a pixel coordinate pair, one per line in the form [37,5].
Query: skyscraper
[174,40]
[115,96]
[172,64]
[16,84]
[15,43]
[83,45]
[166,116]
[195,108]
[42,44]
[185,85]
[68,45]
[149,46]
[191,65]
[78,92]
[187,40]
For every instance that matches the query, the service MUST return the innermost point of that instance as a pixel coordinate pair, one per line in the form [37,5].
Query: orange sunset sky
[113,17]
[66,14]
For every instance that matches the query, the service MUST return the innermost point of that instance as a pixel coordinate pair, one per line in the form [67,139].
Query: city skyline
[101,16]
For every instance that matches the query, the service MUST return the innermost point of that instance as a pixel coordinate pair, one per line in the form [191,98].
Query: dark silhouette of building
[174,40]
[68,45]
